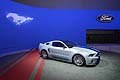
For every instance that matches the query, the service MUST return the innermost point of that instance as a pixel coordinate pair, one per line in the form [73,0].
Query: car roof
[56,41]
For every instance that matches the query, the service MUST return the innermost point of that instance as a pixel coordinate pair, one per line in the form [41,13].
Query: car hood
[85,50]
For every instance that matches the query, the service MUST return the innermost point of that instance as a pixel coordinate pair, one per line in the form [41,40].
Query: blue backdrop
[48,24]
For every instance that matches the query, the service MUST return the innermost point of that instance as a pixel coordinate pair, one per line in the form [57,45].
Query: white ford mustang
[70,52]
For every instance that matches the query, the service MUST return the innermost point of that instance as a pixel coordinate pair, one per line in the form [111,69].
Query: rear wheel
[78,60]
[44,54]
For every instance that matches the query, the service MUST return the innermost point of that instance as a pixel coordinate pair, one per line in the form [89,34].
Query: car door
[59,50]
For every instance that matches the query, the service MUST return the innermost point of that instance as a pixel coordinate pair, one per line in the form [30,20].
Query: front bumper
[93,60]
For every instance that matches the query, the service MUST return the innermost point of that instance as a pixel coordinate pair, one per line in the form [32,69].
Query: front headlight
[91,55]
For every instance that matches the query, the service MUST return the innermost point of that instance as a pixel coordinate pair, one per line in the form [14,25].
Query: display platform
[31,66]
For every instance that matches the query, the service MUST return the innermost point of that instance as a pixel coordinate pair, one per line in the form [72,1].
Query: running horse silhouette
[18,19]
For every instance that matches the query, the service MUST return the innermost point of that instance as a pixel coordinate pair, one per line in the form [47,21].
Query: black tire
[44,54]
[78,60]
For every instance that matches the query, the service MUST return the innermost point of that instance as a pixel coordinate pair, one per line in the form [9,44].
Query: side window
[57,44]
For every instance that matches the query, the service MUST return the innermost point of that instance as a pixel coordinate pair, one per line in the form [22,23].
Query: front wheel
[78,60]
[44,54]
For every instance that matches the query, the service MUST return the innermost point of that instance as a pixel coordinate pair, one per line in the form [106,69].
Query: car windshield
[70,44]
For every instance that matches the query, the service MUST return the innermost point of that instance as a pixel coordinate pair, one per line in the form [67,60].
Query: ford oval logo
[105,18]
